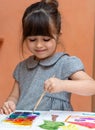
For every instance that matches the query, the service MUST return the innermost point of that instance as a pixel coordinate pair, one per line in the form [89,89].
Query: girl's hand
[8,107]
[52,85]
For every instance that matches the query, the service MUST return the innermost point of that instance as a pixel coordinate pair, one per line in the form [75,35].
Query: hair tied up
[53,2]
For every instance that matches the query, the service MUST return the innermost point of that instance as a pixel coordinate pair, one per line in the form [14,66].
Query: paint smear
[87,121]
[69,127]
[86,124]
[54,117]
[22,118]
[51,125]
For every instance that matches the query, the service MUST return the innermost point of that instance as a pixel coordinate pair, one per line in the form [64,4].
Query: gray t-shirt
[31,75]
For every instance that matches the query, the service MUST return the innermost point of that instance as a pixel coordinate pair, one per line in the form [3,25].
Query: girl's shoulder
[65,57]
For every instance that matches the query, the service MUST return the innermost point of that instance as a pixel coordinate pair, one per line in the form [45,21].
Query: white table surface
[46,115]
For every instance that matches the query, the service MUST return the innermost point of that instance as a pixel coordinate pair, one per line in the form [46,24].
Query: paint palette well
[22,118]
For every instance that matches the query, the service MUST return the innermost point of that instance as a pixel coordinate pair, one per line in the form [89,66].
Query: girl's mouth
[40,51]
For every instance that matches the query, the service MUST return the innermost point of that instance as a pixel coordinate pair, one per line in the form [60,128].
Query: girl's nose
[39,44]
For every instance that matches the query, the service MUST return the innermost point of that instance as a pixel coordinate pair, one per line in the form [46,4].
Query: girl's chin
[41,58]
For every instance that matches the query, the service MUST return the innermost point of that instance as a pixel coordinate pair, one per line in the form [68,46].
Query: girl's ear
[61,32]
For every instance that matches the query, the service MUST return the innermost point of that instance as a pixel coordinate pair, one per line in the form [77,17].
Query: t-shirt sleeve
[72,64]
[16,72]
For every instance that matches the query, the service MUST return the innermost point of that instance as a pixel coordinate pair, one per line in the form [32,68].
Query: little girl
[41,24]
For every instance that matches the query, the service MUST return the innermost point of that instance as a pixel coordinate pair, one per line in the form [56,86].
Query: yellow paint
[69,127]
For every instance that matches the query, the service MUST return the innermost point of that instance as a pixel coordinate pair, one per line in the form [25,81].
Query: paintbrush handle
[39,100]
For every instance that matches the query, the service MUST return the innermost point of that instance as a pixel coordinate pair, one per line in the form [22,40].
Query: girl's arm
[14,95]
[80,83]
[10,104]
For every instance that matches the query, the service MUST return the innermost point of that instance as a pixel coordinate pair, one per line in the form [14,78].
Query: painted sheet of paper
[82,120]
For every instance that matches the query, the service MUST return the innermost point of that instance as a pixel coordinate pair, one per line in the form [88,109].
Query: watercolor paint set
[22,118]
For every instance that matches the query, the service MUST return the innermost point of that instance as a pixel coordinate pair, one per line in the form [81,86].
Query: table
[48,120]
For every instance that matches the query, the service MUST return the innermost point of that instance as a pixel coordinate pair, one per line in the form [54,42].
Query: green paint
[51,125]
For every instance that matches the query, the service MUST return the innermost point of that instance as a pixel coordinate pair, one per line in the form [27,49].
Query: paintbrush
[39,100]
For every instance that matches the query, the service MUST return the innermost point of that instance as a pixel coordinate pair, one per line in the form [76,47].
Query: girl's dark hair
[41,18]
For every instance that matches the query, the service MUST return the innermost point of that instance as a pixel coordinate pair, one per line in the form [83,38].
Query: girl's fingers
[7,108]
[11,106]
[1,111]
[51,89]
[47,85]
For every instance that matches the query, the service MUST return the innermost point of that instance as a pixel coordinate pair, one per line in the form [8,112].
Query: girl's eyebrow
[31,37]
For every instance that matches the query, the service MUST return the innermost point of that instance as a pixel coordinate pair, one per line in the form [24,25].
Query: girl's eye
[46,40]
[32,40]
